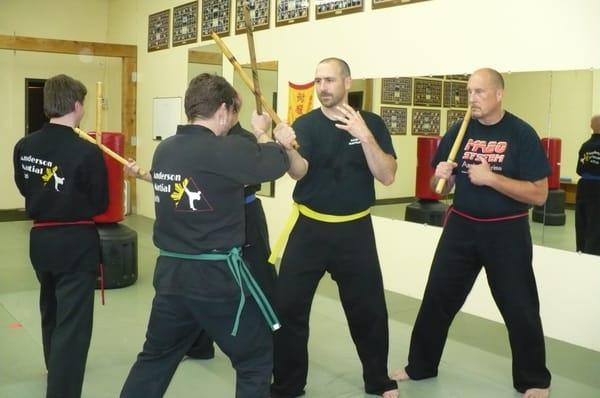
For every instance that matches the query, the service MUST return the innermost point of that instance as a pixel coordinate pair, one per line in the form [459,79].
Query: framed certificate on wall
[291,11]
[215,18]
[260,12]
[396,90]
[158,30]
[334,8]
[426,121]
[185,24]
[395,119]
[427,92]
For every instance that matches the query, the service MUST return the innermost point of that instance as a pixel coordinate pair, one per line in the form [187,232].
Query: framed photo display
[390,3]
[425,121]
[464,77]
[291,11]
[395,119]
[158,30]
[428,92]
[215,18]
[396,90]
[333,8]
[455,94]
[260,12]
[454,116]
[185,24]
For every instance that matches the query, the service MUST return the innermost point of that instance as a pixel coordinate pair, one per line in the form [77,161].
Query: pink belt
[479,219]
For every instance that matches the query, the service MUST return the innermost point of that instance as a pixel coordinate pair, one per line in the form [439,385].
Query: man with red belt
[501,170]
[63,179]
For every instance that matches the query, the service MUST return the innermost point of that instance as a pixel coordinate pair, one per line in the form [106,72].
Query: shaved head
[493,75]
[342,65]
[595,124]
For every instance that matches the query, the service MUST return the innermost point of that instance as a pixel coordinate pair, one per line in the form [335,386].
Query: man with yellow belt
[341,150]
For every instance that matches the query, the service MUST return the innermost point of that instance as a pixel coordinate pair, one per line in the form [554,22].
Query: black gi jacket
[589,158]
[198,180]
[63,178]
[239,130]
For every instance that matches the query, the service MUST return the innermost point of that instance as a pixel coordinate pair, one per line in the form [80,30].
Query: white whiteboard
[166,115]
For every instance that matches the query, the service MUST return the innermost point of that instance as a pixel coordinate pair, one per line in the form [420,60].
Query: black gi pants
[348,252]
[256,253]
[65,260]
[504,249]
[174,324]
[587,216]
[67,308]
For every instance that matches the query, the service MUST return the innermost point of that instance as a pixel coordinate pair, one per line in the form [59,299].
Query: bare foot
[400,375]
[391,394]
[537,393]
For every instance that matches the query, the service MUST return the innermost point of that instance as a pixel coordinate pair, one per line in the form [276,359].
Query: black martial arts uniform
[63,180]
[587,204]
[256,252]
[198,181]
[333,234]
[489,229]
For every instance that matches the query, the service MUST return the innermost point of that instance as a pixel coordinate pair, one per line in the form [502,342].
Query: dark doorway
[34,105]
[355,99]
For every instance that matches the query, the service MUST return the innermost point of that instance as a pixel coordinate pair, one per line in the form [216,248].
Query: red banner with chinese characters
[300,100]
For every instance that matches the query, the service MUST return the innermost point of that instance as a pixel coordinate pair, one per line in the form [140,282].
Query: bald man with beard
[500,172]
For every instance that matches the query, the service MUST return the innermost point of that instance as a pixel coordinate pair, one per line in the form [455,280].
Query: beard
[329,100]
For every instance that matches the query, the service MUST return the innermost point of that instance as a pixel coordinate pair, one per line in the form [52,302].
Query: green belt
[242,277]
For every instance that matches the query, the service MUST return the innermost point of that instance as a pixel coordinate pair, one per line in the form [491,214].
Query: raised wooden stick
[251,48]
[439,188]
[99,113]
[105,149]
[247,81]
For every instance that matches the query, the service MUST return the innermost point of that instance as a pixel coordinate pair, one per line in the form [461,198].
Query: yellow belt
[298,209]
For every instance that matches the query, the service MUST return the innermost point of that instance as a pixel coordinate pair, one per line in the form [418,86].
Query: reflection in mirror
[267,76]
[558,104]
[208,59]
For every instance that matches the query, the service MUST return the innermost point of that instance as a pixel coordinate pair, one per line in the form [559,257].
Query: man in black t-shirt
[63,179]
[500,171]
[587,204]
[341,150]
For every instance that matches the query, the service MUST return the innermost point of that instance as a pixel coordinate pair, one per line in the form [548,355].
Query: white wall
[568,283]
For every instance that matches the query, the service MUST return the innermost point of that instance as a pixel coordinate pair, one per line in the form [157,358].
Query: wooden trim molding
[204,57]
[23,43]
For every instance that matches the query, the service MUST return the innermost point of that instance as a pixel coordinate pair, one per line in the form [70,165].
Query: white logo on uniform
[58,181]
[192,196]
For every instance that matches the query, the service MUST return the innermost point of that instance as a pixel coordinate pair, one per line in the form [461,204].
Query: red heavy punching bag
[115,211]
[552,149]
[426,149]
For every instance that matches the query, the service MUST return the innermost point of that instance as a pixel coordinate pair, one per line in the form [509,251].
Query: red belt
[493,219]
[44,224]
